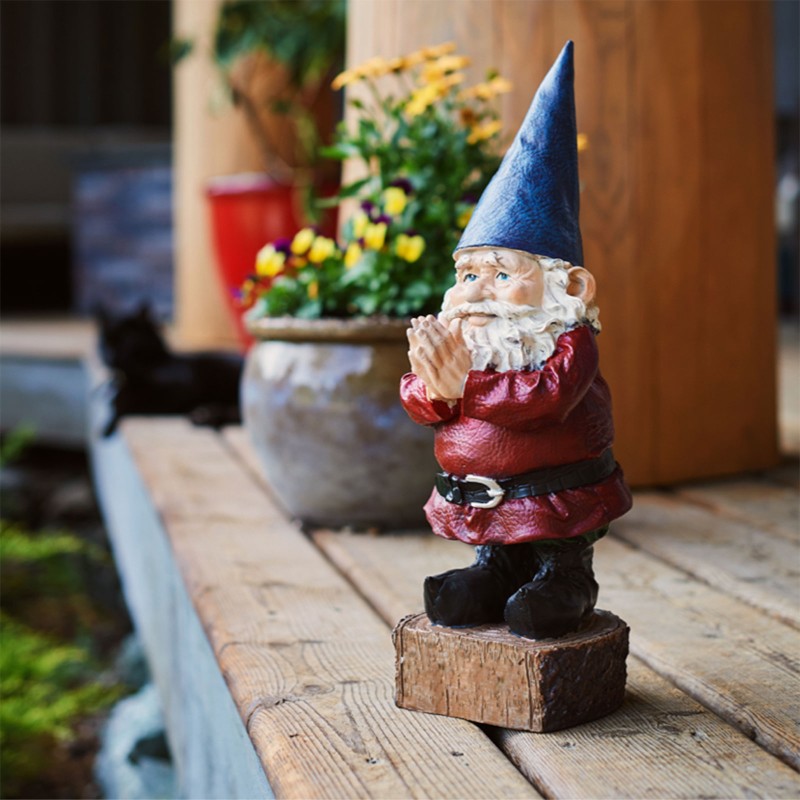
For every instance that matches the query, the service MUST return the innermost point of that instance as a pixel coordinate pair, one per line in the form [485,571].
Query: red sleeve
[515,398]
[419,408]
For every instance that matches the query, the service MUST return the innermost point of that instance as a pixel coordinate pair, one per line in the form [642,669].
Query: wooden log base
[487,674]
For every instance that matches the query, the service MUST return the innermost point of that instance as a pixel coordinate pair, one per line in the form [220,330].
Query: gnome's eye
[469,277]
[502,276]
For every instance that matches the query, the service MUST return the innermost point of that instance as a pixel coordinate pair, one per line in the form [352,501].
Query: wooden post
[677,202]
[210,139]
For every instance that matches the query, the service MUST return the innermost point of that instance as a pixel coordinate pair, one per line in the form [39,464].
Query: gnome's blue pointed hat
[531,203]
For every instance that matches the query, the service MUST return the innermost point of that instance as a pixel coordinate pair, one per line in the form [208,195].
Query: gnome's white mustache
[489,308]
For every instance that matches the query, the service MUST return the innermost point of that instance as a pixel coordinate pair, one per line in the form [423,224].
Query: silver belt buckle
[493,488]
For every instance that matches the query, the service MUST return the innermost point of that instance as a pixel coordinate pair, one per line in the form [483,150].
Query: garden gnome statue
[508,377]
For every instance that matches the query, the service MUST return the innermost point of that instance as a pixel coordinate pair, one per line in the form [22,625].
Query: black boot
[477,595]
[561,595]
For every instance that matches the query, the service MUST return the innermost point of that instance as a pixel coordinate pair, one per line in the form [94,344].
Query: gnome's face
[513,306]
[486,276]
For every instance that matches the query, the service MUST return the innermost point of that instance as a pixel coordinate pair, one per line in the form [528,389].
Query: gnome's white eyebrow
[498,258]
[466,262]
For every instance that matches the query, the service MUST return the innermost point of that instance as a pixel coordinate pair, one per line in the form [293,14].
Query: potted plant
[276,59]
[320,393]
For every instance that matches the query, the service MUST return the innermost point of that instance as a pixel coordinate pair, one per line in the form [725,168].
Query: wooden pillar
[210,139]
[677,202]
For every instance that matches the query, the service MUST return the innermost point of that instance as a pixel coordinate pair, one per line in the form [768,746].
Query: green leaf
[339,151]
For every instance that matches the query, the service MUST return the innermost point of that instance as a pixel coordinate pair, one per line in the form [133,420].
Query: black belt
[481,492]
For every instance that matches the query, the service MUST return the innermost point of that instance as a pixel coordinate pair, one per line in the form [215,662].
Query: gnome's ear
[581,284]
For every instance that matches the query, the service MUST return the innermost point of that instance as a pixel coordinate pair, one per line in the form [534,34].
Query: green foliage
[428,149]
[15,442]
[307,36]
[16,545]
[47,683]
[43,570]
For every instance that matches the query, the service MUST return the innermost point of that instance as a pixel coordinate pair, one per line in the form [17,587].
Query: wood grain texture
[766,503]
[730,657]
[210,139]
[661,743]
[676,203]
[308,664]
[607,114]
[489,675]
[739,558]
[703,198]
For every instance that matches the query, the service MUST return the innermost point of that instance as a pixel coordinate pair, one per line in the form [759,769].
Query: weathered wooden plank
[661,743]
[308,664]
[759,568]
[732,658]
[768,502]
[237,441]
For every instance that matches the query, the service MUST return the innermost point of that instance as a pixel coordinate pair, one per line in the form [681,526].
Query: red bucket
[247,212]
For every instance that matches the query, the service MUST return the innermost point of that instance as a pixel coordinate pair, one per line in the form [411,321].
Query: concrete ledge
[43,381]
[213,754]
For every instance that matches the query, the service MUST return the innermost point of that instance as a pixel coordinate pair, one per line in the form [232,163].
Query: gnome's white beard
[523,337]
[516,337]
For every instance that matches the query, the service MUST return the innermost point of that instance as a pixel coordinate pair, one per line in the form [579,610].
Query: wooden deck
[298,624]
[271,645]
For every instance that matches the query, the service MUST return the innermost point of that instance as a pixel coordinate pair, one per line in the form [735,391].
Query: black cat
[149,379]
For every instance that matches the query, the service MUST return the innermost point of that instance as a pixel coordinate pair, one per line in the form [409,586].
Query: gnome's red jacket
[509,423]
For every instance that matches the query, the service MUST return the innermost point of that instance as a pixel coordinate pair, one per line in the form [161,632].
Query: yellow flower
[409,248]
[321,249]
[398,64]
[394,200]
[313,290]
[302,241]
[345,79]
[413,59]
[484,131]
[464,217]
[421,99]
[353,255]
[501,85]
[360,222]
[439,50]
[375,235]
[487,90]
[583,142]
[374,68]
[436,69]
[269,261]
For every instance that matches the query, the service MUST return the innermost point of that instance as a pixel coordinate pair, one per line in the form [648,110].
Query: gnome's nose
[479,290]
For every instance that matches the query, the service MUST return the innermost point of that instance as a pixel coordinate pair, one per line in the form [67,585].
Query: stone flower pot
[321,404]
